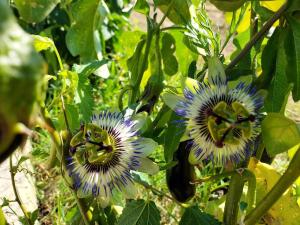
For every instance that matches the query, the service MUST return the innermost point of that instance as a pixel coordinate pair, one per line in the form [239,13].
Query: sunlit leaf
[167,51]
[285,210]
[140,212]
[83,37]
[194,216]
[34,11]
[142,6]
[179,11]
[72,116]
[279,133]
[42,43]
[2,218]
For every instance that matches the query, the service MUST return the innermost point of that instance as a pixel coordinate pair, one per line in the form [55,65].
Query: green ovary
[226,121]
[93,145]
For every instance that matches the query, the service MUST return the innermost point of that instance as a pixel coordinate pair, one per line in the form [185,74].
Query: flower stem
[287,179]
[174,27]
[232,199]
[257,36]
[18,199]
[52,158]
[215,177]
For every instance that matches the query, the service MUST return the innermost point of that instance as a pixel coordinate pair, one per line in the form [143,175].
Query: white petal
[148,166]
[148,146]
[142,121]
[172,100]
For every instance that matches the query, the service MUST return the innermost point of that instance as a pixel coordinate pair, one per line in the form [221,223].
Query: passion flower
[222,122]
[103,154]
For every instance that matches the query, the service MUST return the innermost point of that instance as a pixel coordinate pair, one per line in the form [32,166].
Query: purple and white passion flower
[222,122]
[103,154]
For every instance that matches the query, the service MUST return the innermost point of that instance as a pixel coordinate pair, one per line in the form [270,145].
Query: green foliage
[179,10]
[194,216]
[35,11]
[138,212]
[97,60]
[2,218]
[83,38]
[228,6]
[278,88]
[292,48]
[134,63]
[172,135]
[279,133]
[168,49]
[21,68]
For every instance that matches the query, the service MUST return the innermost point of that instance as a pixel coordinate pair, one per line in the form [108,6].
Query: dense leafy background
[98,59]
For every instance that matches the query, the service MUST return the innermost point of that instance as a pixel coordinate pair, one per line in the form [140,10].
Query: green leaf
[263,12]
[84,36]
[228,6]
[193,216]
[172,136]
[2,218]
[84,98]
[72,115]
[42,43]
[134,62]
[167,51]
[182,53]
[21,160]
[179,12]
[292,48]
[142,6]
[35,11]
[279,86]
[268,61]
[215,70]
[140,212]
[86,69]
[279,133]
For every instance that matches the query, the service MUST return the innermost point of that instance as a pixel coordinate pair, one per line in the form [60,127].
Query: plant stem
[52,157]
[257,36]
[260,149]
[18,199]
[232,199]
[174,27]
[251,179]
[61,67]
[215,177]
[120,100]
[287,179]
[82,209]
